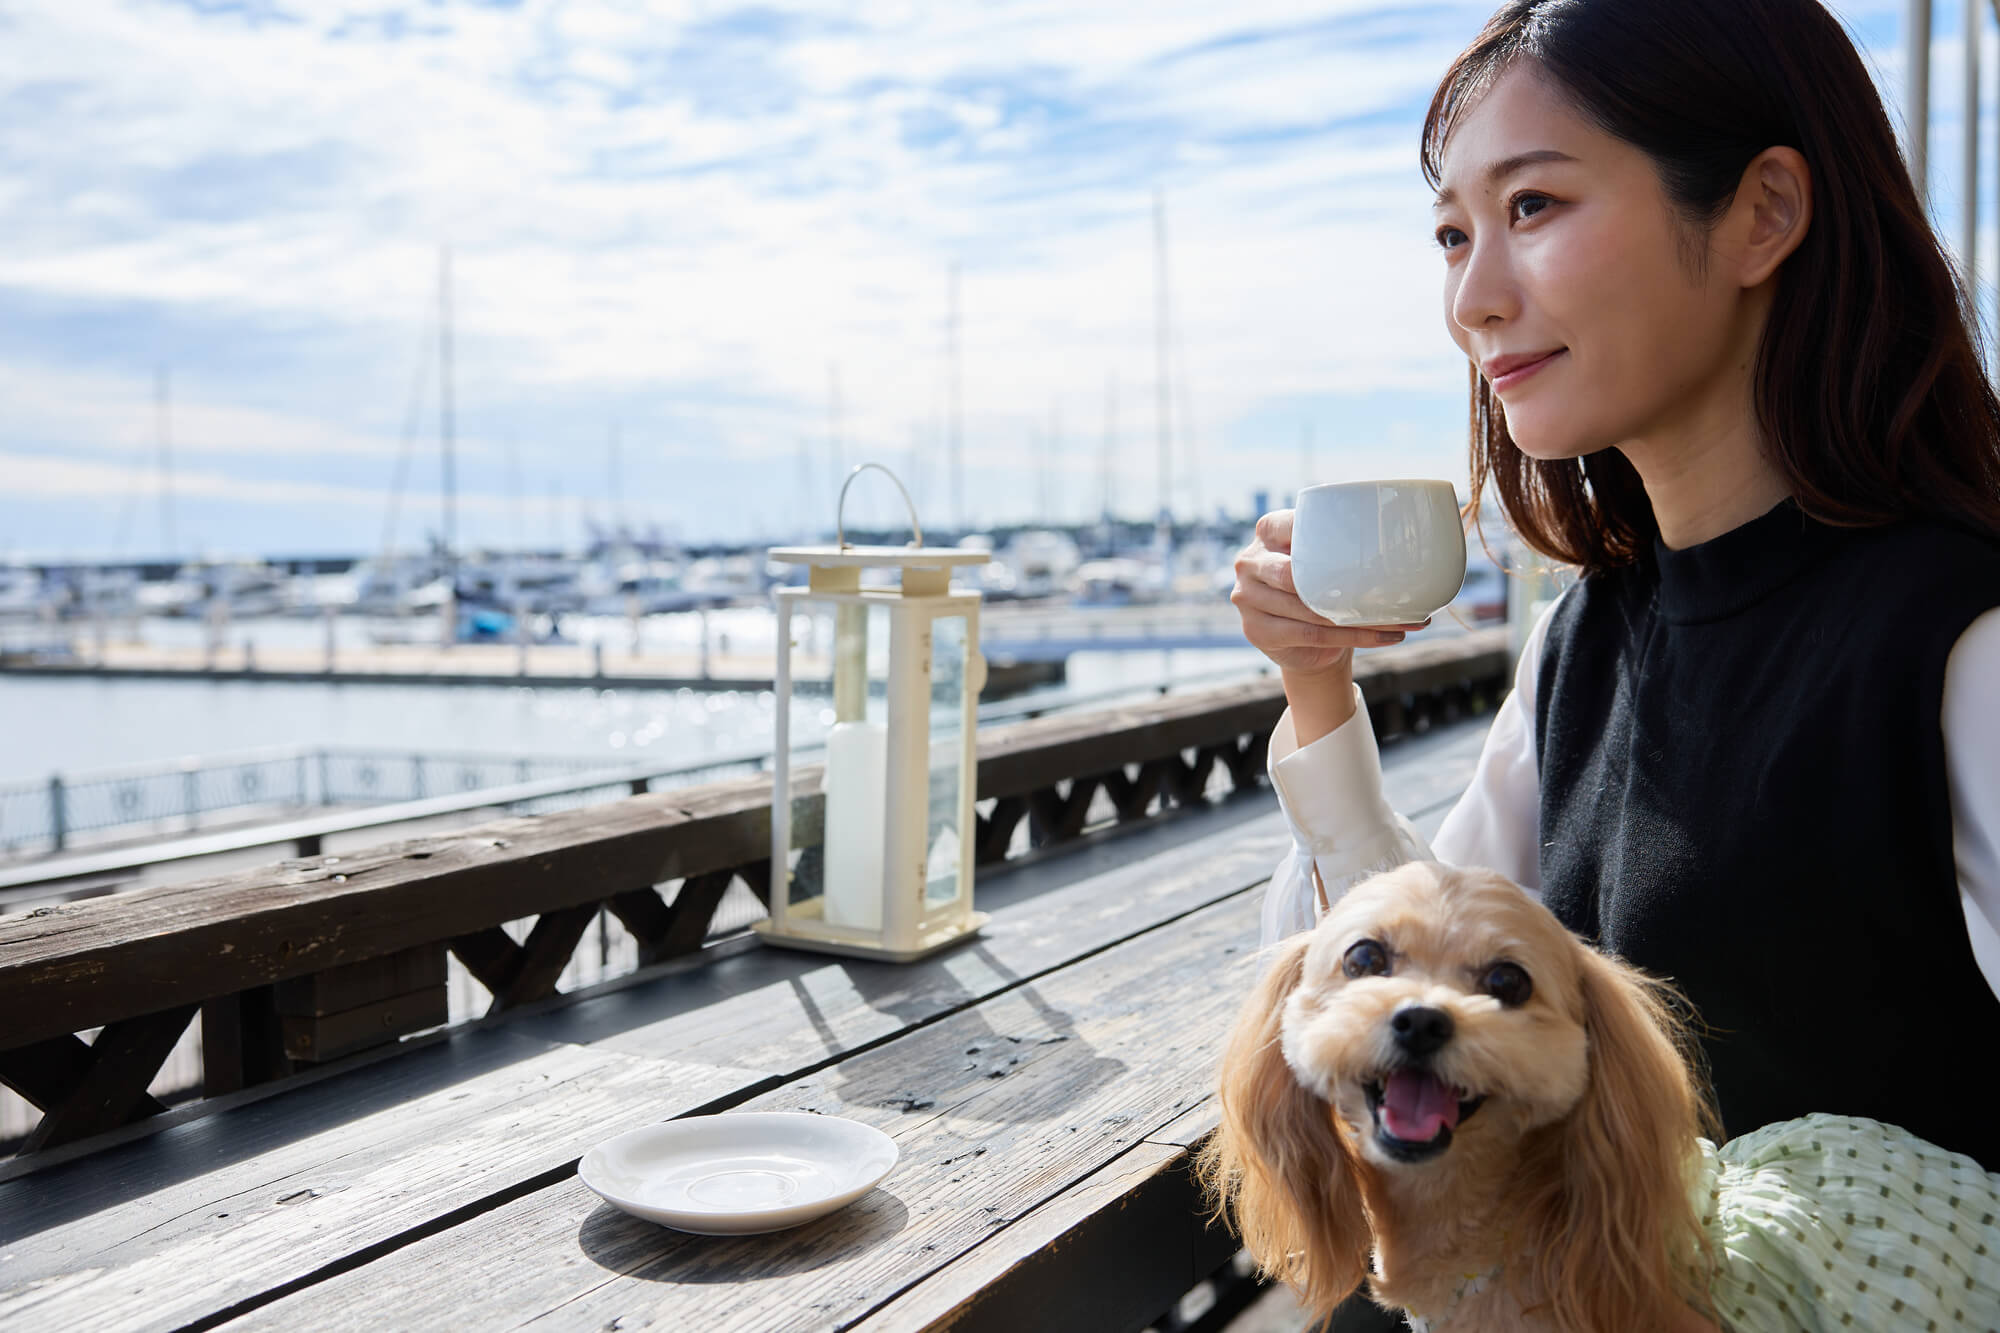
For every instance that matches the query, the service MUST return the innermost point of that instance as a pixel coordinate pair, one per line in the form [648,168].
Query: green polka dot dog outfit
[1829,1223]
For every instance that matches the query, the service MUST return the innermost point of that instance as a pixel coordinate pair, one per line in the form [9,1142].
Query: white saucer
[732,1174]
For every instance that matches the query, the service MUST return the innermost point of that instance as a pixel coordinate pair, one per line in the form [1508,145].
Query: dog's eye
[1365,958]
[1508,984]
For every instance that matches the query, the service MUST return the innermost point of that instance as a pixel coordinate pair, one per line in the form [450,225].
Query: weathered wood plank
[1109,1245]
[1094,1258]
[1022,1097]
[1045,809]
[644,913]
[693,908]
[543,957]
[317,1038]
[49,1071]
[1191,1127]
[297,917]
[756,876]
[242,1041]
[1075,808]
[490,955]
[268,1193]
[123,1060]
[996,829]
[341,988]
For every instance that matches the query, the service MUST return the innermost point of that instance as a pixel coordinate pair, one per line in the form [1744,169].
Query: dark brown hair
[1870,390]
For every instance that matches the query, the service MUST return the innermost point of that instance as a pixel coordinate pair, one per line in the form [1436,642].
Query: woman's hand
[1278,624]
[1315,655]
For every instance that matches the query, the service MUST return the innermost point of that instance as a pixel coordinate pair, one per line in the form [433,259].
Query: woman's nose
[1486,294]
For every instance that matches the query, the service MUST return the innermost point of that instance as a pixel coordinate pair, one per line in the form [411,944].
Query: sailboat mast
[1110,444]
[957,416]
[1162,402]
[445,422]
[163,433]
[615,503]
[834,449]
[1051,445]
[808,493]
[514,494]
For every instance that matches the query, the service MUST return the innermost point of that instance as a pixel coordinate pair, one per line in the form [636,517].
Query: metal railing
[62,812]
[56,813]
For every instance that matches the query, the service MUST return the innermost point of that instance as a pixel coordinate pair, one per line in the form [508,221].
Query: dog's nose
[1421,1029]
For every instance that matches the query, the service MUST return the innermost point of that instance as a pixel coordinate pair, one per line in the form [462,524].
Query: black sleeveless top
[1743,790]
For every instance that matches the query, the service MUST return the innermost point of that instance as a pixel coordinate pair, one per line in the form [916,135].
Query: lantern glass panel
[947,761]
[840,719]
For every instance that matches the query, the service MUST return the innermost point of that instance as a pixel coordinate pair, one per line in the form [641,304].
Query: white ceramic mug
[1377,552]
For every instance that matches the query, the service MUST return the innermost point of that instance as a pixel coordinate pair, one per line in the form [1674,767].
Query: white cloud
[95,411]
[703,207]
[39,476]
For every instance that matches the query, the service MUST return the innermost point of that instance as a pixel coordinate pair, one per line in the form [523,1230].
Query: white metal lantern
[878,666]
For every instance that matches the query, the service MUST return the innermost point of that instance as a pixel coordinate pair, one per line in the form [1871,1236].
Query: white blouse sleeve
[1331,793]
[1971,722]
[1497,822]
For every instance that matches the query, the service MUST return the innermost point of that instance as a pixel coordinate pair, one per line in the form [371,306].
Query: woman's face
[1560,243]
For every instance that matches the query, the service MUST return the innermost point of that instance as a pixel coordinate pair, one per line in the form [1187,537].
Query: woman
[1721,365]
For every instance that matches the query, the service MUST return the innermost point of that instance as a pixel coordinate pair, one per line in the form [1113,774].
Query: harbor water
[77,724]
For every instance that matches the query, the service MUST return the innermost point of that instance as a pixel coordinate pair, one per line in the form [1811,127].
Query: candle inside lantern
[857,755]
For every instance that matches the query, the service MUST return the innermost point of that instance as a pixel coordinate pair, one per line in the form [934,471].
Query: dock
[592,665]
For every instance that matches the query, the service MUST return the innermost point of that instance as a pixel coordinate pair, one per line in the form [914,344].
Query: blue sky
[691,229]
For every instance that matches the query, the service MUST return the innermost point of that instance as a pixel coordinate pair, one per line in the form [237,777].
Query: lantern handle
[840,528]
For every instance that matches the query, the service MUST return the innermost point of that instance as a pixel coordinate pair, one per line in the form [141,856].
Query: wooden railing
[315,960]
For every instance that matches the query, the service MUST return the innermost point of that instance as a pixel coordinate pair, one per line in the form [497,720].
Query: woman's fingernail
[1388,636]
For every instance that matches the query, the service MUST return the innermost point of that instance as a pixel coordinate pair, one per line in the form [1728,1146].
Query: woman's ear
[1616,1241]
[1771,213]
[1278,1161]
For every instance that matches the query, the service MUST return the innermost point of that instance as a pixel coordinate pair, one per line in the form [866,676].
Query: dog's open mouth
[1415,1112]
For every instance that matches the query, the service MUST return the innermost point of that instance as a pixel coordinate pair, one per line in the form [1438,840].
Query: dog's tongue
[1416,1106]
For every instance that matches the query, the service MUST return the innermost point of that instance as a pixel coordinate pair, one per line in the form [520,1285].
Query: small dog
[1443,1077]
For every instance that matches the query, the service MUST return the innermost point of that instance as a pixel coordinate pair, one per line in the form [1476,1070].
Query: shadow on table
[200,1145]
[637,1248]
[628,1019]
[963,1074]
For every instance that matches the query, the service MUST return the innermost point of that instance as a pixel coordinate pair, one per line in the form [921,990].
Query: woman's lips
[1521,373]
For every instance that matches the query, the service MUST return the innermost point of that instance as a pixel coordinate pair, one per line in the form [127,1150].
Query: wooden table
[1045,1084]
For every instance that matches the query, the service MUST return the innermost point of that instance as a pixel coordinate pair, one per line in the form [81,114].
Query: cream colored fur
[1568,1178]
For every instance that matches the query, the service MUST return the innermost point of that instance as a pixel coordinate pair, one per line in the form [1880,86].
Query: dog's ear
[1279,1162]
[1617,1243]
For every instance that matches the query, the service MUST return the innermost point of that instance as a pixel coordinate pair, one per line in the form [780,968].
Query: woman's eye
[1508,984]
[1521,208]
[1365,958]
[1524,201]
